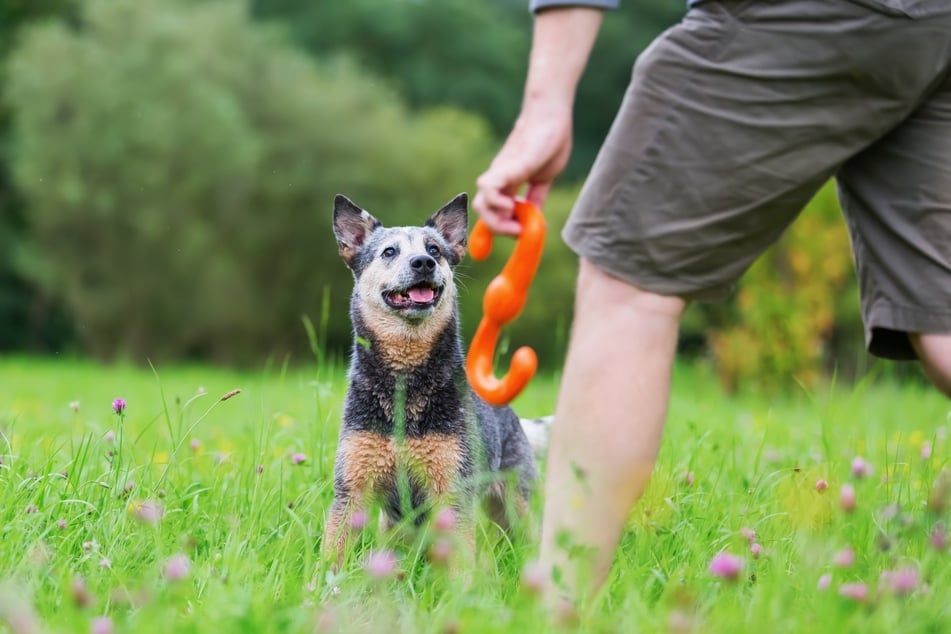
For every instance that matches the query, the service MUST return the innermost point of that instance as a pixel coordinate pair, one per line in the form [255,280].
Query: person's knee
[934,352]
[599,288]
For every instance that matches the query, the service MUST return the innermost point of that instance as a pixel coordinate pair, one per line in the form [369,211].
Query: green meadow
[188,512]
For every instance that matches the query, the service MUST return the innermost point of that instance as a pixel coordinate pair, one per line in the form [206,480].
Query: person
[733,119]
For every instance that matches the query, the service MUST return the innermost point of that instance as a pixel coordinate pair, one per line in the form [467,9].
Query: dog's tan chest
[368,459]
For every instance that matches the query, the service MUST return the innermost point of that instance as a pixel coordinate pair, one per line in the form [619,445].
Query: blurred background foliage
[167,169]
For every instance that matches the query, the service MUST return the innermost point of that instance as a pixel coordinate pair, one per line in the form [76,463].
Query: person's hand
[534,154]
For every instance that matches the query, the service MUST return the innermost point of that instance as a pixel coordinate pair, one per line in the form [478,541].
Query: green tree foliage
[27,319]
[473,55]
[179,163]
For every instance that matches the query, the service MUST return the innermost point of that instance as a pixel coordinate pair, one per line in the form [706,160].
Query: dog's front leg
[336,530]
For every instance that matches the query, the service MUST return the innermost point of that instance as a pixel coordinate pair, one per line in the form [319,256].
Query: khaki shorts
[736,116]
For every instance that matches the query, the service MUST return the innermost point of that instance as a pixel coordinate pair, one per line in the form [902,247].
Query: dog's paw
[537,430]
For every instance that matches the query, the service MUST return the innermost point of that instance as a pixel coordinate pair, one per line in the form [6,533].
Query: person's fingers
[494,205]
[537,193]
[500,222]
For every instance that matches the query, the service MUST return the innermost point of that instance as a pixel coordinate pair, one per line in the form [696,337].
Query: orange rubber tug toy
[504,299]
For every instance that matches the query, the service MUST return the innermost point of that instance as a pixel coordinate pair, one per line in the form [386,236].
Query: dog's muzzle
[423,294]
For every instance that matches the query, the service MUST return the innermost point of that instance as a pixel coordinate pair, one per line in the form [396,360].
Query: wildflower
[821,485]
[440,551]
[127,490]
[445,520]
[926,450]
[844,558]
[939,537]
[118,406]
[381,564]
[534,578]
[148,511]
[61,524]
[30,509]
[80,593]
[326,621]
[90,546]
[298,458]
[109,437]
[177,567]
[359,520]
[16,612]
[756,550]
[195,444]
[726,566]
[860,468]
[902,581]
[940,493]
[890,512]
[688,478]
[101,625]
[857,592]
[824,581]
[74,405]
[105,562]
[847,498]
[748,534]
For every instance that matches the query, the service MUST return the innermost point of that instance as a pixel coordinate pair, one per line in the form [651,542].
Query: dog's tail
[538,430]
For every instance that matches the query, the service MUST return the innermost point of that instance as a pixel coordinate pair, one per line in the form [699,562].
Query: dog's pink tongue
[421,295]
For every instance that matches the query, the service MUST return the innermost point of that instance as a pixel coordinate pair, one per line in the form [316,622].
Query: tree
[179,163]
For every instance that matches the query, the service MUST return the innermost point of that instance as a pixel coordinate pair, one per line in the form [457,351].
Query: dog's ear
[452,222]
[352,226]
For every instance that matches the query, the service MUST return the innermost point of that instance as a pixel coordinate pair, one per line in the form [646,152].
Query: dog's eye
[433,250]
[388,252]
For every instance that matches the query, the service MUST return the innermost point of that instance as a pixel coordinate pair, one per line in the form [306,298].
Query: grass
[76,542]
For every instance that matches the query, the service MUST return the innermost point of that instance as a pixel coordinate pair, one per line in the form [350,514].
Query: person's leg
[897,202]
[732,121]
[934,351]
[608,423]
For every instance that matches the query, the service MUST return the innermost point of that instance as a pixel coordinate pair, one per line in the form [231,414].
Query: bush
[179,165]
[790,304]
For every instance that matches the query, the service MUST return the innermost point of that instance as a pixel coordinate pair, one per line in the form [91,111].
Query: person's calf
[934,352]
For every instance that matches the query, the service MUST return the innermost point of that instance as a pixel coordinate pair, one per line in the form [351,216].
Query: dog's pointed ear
[452,222]
[352,226]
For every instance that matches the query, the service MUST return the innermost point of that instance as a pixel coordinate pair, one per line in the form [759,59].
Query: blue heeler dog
[409,411]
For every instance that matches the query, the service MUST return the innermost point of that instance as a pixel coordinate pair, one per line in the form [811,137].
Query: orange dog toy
[503,301]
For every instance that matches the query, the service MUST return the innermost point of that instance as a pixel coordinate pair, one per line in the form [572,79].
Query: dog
[409,408]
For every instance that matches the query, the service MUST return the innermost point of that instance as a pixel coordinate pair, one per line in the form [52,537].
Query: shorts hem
[887,326]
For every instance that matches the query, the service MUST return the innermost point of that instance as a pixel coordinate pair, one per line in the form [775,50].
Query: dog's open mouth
[423,295]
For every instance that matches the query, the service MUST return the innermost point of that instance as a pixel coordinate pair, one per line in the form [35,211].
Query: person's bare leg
[608,425]
[934,351]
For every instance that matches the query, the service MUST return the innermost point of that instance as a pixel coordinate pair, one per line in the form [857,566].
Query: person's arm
[538,147]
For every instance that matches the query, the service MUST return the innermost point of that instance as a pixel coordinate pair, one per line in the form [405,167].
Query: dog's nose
[423,263]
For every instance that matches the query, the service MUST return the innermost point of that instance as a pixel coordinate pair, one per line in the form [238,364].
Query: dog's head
[404,273]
